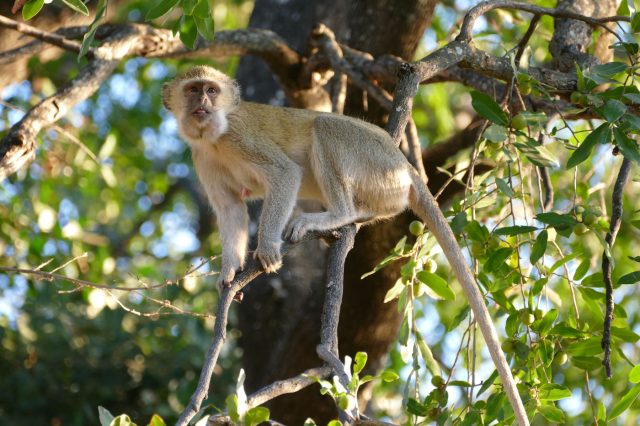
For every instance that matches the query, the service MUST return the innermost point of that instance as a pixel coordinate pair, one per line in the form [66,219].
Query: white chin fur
[222,125]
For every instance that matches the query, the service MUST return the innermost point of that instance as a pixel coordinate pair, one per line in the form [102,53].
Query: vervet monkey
[243,150]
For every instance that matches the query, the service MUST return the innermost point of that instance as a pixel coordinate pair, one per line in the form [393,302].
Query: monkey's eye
[211,91]
[193,89]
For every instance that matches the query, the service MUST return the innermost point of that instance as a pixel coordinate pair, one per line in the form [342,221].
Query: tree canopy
[523,116]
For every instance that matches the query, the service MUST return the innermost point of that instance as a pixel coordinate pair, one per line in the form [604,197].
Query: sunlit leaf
[625,402]
[554,392]
[599,136]
[359,361]
[634,374]
[256,415]
[78,6]
[437,284]
[31,9]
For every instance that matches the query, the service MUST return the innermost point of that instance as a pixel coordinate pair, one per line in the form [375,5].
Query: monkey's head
[201,98]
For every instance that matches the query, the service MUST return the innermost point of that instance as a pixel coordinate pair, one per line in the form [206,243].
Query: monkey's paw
[269,256]
[227,274]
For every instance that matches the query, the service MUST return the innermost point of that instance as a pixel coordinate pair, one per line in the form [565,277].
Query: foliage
[110,190]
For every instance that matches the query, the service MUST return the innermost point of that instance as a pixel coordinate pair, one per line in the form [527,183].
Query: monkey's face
[201,101]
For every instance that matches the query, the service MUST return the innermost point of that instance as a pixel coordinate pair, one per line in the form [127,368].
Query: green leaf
[101,9]
[551,413]
[105,416]
[628,146]
[156,420]
[436,283]
[427,356]
[631,278]
[359,362]
[459,318]
[161,9]
[504,187]
[78,6]
[496,133]
[232,407]
[634,374]
[633,97]
[564,260]
[536,153]
[554,392]
[594,280]
[460,383]
[612,110]
[389,376]
[582,269]
[188,6]
[600,135]
[31,9]
[625,402]
[488,108]
[416,408]
[206,27]
[626,334]
[487,383]
[556,220]
[458,222]
[256,415]
[635,23]
[564,330]
[476,232]
[514,230]
[539,247]
[587,363]
[394,291]
[309,422]
[202,10]
[334,423]
[543,326]
[587,347]
[497,258]
[610,69]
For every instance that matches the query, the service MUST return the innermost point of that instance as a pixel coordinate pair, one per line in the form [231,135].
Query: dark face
[201,98]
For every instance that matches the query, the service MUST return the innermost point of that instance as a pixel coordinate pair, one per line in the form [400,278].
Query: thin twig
[325,39]
[614,227]
[51,38]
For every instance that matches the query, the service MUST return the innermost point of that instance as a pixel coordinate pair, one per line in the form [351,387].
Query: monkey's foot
[298,227]
[269,256]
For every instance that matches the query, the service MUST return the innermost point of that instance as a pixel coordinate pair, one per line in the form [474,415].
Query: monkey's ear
[166,95]
[235,88]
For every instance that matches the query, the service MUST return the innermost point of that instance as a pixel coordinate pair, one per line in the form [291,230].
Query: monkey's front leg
[282,191]
[233,222]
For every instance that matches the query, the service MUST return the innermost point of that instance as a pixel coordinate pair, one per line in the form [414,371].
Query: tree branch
[614,227]
[51,38]
[251,271]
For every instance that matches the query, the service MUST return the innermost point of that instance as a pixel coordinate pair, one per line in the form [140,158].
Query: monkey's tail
[426,207]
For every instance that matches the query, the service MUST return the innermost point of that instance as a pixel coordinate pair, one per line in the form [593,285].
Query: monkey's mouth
[200,112]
